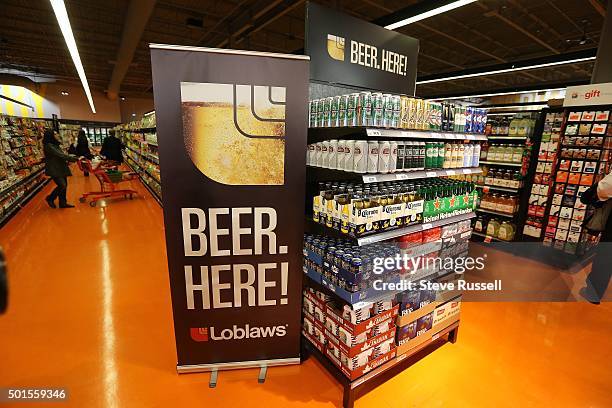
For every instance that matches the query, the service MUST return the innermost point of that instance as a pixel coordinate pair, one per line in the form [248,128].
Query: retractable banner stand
[232,129]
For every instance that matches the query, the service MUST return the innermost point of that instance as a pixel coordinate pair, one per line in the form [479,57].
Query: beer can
[325,154]
[312,150]
[440,158]
[413,113]
[397,107]
[312,112]
[327,112]
[351,109]
[384,153]
[360,157]
[387,118]
[401,153]
[319,154]
[335,105]
[420,121]
[372,156]
[340,158]
[342,104]
[421,157]
[404,112]
[349,151]
[393,157]
[378,107]
[409,156]
[320,112]
[333,154]
[364,109]
[468,119]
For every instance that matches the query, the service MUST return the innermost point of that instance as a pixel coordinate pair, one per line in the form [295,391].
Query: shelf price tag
[449,135]
[405,134]
[401,176]
[467,171]
[488,239]
[485,189]
[427,226]
[373,132]
[470,137]
[431,174]
[369,179]
[450,172]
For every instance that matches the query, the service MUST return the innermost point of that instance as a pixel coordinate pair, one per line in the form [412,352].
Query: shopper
[601,269]
[56,167]
[82,148]
[112,148]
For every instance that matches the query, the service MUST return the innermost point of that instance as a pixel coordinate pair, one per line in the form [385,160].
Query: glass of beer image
[335,47]
[235,134]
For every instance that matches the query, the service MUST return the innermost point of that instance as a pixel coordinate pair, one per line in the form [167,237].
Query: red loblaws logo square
[199,333]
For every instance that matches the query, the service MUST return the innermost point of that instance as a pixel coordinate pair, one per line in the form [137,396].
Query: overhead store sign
[232,135]
[348,51]
[585,95]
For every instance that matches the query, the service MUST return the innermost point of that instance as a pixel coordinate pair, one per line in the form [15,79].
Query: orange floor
[90,311]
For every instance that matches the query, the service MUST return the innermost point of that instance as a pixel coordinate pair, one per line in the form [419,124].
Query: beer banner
[348,51]
[232,127]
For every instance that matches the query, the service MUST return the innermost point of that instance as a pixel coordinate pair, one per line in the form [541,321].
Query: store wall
[75,106]
[529,97]
[134,108]
[19,101]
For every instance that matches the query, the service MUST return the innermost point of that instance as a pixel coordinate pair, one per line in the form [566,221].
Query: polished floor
[90,311]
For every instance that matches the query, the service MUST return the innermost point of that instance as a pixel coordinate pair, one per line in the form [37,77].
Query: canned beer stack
[375,109]
[360,156]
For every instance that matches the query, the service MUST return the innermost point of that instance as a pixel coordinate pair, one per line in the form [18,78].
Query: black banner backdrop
[232,139]
[348,51]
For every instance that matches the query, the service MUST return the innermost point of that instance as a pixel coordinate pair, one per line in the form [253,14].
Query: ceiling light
[123,98]
[505,70]
[133,114]
[497,94]
[430,13]
[62,19]
[65,93]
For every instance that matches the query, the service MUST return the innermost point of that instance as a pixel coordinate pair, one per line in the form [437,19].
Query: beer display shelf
[486,187]
[362,385]
[376,178]
[487,237]
[396,233]
[339,132]
[498,163]
[505,137]
[501,214]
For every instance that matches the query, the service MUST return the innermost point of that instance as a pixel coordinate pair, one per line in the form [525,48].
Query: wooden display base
[362,385]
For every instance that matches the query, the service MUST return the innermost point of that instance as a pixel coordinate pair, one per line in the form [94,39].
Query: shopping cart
[86,166]
[109,178]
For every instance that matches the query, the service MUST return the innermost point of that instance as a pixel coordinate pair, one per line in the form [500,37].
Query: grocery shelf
[20,182]
[10,211]
[498,163]
[356,388]
[145,183]
[412,175]
[394,133]
[501,214]
[490,187]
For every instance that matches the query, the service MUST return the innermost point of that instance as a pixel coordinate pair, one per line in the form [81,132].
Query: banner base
[199,368]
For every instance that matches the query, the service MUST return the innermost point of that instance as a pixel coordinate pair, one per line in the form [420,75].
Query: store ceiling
[484,33]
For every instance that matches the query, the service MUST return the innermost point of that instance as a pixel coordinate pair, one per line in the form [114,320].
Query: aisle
[90,311]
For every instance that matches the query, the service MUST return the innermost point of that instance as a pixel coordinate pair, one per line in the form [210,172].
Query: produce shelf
[338,132]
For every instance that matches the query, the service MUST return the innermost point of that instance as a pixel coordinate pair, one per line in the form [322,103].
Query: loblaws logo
[201,334]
